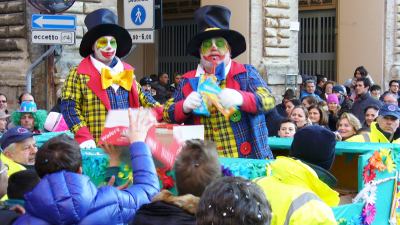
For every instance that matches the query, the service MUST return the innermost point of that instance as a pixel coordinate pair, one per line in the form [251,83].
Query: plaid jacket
[85,104]
[244,137]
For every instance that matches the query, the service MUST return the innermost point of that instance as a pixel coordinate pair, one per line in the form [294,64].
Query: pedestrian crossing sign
[138,14]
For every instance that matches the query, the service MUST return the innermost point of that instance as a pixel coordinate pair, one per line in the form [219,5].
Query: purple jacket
[70,198]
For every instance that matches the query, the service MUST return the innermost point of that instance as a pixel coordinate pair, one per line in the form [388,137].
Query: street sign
[53,22]
[139,14]
[142,36]
[50,37]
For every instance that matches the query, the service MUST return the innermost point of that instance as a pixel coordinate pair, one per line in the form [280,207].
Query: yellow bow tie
[123,79]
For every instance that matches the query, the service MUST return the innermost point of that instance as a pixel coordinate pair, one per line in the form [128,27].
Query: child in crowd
[333,107]
[287,129]
[233,201]
[196,166]
[20,183]
[65,196]
[300,116]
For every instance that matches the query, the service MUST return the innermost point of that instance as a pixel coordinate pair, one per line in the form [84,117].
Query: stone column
[274,45]
[392,56]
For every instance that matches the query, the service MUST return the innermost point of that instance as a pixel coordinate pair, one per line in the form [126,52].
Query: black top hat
[103,22]
[213,21]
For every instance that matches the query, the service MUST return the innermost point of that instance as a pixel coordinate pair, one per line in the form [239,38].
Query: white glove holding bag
[230,97]
[88,144]
[192,101]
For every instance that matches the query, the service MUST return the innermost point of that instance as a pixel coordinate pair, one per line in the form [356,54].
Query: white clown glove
[88,144]
[230,97]
[192,101]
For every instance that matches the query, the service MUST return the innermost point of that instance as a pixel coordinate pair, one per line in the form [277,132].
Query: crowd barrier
[375,162]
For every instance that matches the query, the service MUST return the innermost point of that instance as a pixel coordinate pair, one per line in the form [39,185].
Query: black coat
[162,213]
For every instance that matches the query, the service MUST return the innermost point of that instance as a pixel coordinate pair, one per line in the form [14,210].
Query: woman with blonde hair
[347,126]
[299,115]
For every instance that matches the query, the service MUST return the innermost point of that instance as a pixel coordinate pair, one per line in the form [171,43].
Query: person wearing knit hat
[101,82]
[242,89]
[304,173]
[333,110]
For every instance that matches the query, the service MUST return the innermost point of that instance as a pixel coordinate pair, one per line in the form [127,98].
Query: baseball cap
[390,110]
[13,135]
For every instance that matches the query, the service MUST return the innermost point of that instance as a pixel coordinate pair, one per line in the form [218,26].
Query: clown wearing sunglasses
[101,81]
[245,133]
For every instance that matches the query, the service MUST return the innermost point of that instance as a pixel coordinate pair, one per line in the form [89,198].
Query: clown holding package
[240,130]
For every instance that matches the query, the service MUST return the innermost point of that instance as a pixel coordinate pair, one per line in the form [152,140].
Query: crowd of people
[47,185]
[352,112]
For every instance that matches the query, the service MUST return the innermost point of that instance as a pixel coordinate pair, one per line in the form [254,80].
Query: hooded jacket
[297,195]
[71,198]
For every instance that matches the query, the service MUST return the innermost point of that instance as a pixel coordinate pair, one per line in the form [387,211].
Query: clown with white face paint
[101,81]
[105,49]
[245,133]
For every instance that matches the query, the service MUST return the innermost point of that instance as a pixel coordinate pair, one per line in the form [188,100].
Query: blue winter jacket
[70,198]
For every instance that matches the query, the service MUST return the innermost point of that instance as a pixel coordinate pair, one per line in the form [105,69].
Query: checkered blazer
[244,138]
[85,104]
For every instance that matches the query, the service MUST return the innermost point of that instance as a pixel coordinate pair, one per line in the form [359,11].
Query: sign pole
[50,84]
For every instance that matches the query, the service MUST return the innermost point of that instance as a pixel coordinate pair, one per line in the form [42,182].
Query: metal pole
[33,66]
[50,81]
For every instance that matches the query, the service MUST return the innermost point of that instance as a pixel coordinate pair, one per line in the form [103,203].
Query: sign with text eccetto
[53,29]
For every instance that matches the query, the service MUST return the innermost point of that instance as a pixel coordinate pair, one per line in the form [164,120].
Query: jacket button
[245,148]
[236,116]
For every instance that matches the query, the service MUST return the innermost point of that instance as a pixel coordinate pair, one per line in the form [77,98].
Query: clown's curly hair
[39,116]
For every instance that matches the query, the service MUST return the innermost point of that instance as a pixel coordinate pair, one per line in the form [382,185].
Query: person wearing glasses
[18,149]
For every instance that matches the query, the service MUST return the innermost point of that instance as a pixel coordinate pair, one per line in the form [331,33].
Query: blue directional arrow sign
[53,22]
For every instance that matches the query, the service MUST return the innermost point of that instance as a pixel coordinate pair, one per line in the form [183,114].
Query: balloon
[52,6]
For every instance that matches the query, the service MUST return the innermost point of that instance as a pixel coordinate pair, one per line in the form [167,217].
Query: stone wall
[274,45]
[14,48]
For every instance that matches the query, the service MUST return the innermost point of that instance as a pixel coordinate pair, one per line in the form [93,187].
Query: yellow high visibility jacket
[296,194]
[374,136]
[13,167]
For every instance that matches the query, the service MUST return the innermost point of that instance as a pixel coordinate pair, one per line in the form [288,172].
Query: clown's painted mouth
[213,58]
[108,54]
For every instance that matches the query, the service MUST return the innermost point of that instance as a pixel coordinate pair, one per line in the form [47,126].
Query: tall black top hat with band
[103,22]
[213,21]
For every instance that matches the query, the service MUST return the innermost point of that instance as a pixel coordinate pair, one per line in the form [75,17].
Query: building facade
[285,38]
